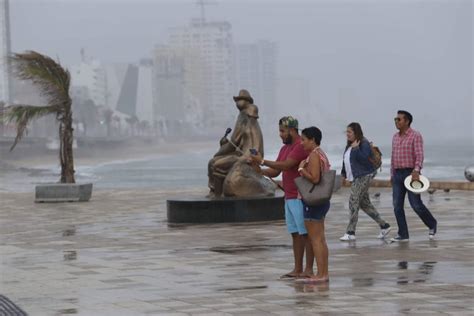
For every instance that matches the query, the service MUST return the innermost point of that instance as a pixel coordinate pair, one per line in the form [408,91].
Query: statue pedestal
[225,210]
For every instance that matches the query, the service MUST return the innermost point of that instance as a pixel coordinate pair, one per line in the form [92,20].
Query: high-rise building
[256,67]
[129,89]
[176,90]
[168,83]
[207,52]
[4,52]
[88,80]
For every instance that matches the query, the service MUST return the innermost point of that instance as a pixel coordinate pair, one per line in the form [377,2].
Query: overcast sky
[376,56]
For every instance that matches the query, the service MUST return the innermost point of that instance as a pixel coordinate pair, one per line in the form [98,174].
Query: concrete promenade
[116,255]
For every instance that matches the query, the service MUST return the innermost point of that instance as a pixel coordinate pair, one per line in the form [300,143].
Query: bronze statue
[229,171]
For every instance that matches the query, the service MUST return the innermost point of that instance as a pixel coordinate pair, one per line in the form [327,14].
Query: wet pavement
[116,255]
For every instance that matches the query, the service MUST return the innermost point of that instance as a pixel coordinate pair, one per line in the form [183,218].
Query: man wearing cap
[407,160]
[289,158]
[245,136]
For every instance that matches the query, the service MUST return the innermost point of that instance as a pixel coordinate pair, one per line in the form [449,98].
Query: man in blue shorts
[289,158]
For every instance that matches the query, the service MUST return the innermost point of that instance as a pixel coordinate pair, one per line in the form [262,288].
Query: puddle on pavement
[247,248]
[402,265]
[244,288]
[407,272]
[69,255]
[310,288]
[67,311]
[362,282]
[421,272]
[70,231]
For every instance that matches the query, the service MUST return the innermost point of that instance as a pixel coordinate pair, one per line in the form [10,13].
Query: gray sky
[366,58]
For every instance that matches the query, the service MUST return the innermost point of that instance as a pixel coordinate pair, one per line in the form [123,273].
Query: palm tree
[53,81]
[132,121]
[118,121]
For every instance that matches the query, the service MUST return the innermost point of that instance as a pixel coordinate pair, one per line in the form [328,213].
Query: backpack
[376,157]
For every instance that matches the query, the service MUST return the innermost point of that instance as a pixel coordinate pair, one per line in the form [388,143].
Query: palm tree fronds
[21,115]
[52,79]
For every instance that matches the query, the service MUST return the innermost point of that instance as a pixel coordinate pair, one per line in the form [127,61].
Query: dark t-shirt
[296,152]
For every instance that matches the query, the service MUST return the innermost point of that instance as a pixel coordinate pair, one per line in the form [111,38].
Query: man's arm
[271,173]
[419,155]
[418,151]
[392,167]
[281,165]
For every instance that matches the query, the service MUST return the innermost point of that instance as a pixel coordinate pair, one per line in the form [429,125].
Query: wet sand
[98,155]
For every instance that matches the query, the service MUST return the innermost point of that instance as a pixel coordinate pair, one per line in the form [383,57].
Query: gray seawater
[189,170]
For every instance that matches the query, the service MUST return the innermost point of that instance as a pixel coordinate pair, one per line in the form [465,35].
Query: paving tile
[115,255]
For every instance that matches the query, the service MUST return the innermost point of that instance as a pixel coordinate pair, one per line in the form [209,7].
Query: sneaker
[399,239]
[432,232]
[347,237]
[384,232]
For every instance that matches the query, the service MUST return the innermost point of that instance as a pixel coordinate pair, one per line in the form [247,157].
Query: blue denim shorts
[294,216]
[316,213]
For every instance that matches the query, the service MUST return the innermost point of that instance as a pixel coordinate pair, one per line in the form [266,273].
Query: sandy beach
[129,150]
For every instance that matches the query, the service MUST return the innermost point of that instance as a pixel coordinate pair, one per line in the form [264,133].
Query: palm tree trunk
[65,150]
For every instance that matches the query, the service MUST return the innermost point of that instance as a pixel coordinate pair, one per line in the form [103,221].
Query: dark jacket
[360,163]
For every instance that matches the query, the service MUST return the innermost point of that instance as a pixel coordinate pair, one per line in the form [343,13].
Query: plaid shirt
[407,151]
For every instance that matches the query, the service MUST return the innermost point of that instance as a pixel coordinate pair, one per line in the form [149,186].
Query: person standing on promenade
[407,159]
[359,171]
[311,169]
[289,158]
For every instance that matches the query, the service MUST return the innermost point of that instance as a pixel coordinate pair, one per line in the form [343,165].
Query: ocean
[189,170]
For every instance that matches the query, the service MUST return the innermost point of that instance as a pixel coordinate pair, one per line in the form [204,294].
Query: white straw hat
[417,186]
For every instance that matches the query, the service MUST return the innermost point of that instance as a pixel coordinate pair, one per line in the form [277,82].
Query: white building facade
[209,75]
[4,52]
[256,71]
[89,81]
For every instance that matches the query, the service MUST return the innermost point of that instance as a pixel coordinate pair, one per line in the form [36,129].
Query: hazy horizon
[363,60]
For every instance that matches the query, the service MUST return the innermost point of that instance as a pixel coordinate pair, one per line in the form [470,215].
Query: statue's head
[288,127]
[243,99]
[252,110]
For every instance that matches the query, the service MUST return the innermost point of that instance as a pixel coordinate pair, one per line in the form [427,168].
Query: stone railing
[438,185]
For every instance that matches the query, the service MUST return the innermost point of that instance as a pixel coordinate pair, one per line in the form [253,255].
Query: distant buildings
[129,89]
[206,49]
[5,89]
[89,81]
[256,71]
[186,87]
[125,89]
[4,52]
[168,81]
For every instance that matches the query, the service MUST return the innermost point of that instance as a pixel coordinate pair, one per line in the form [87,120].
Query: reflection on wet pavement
[116,255]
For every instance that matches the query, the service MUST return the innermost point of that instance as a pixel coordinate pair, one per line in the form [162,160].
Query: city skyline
[185,83]
[357,57]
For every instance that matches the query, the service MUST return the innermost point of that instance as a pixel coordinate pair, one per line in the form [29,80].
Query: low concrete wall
[438,185]
[63,192]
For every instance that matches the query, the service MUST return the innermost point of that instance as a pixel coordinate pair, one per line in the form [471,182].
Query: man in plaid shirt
[407,159]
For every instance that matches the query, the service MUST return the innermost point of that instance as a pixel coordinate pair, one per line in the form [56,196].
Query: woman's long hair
[357,129]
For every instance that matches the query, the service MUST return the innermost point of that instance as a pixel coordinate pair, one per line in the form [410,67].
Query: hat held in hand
[417,186]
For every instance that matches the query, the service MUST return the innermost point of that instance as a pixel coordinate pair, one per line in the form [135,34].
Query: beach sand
[129,150]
